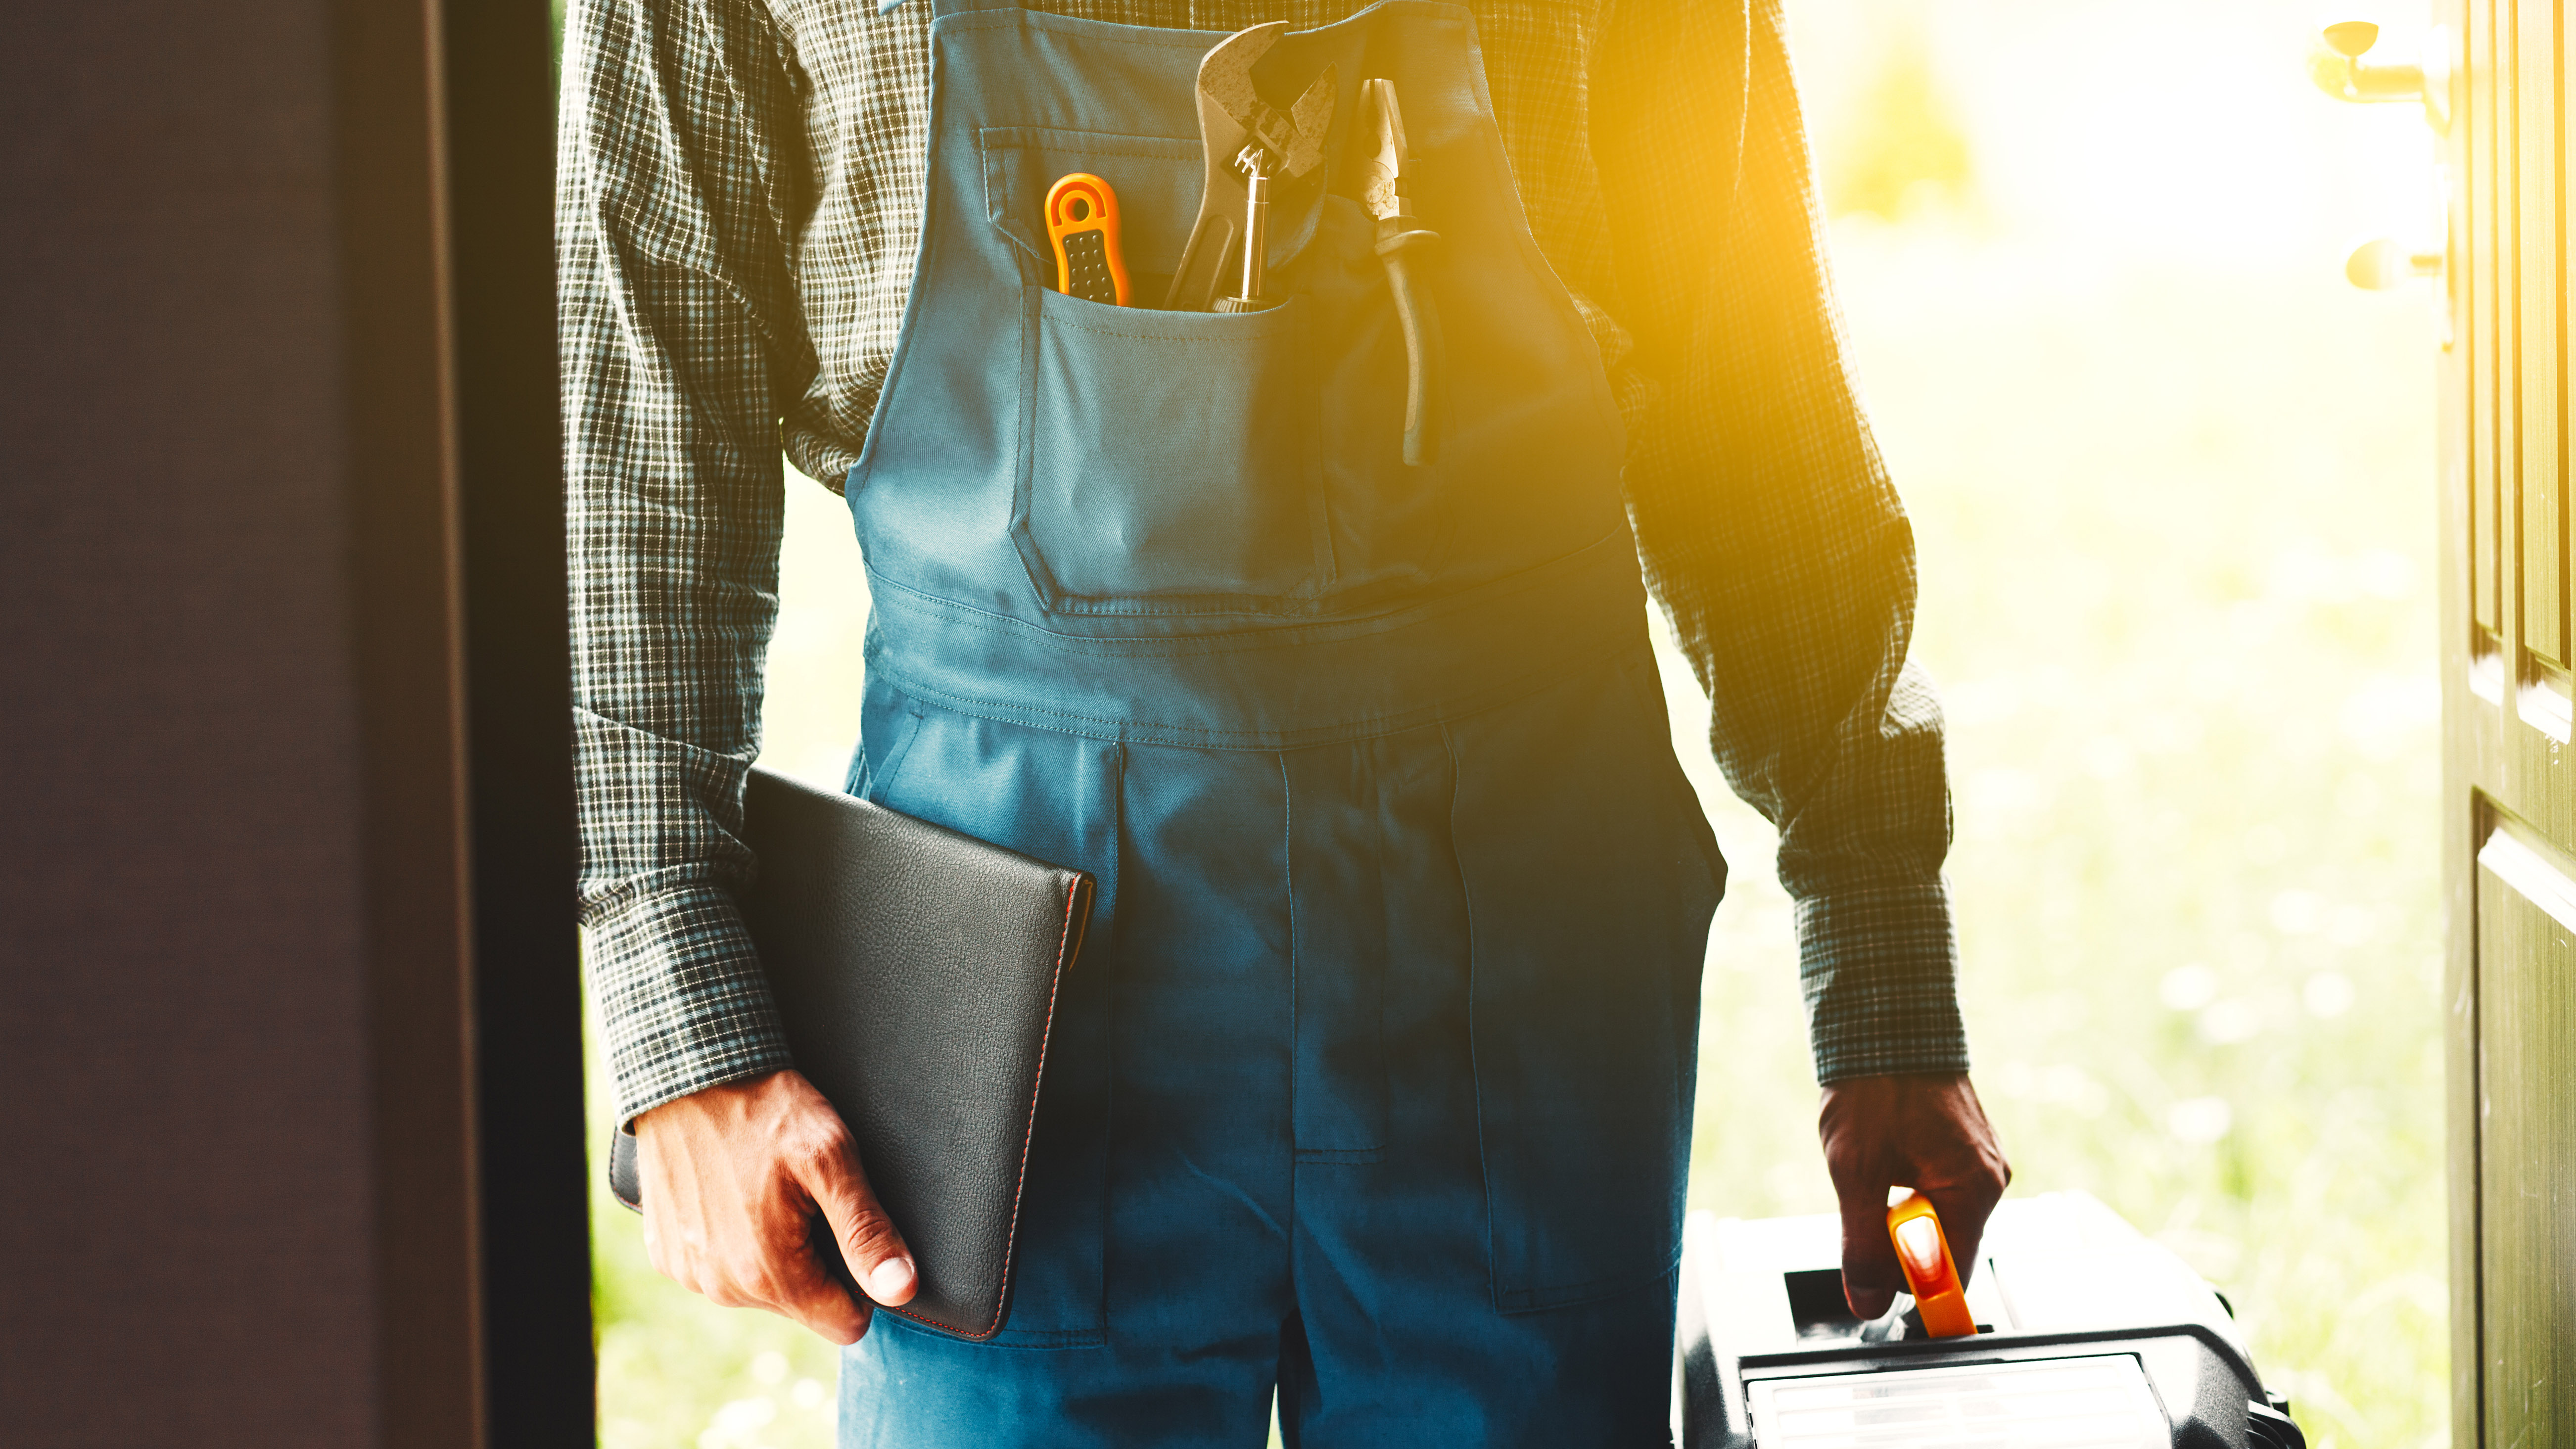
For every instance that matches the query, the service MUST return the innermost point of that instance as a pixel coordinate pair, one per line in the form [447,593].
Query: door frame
[444,146]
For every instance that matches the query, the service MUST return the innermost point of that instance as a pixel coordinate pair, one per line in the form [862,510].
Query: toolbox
[2086,1334]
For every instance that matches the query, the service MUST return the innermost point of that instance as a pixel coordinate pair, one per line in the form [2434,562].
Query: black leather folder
[915,971]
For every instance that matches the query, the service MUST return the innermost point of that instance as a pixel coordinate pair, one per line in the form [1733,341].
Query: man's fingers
[1963,1242]
[804,1291]
[1964,1208]
[1871,1277]
[1922,1130]
[1966,1179]
[733,1175]
[867,1238]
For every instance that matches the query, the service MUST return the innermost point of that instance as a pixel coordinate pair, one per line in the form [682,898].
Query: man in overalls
[1373,1091]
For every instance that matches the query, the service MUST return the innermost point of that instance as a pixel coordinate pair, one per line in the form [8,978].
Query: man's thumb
[868,1242]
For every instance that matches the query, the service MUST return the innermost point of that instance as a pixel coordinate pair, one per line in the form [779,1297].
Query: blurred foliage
[1903,147]
[2173,494]
[2178,599]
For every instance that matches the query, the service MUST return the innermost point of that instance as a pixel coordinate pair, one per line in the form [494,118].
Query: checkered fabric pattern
[741,192]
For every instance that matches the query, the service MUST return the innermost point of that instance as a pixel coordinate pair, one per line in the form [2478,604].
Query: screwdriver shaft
[1256,223]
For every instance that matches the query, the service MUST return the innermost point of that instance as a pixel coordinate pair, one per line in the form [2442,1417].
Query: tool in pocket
[1082,222]
[1406,246]
[1249,144]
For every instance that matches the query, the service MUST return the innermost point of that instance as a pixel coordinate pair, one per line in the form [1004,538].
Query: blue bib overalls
[1375,1081]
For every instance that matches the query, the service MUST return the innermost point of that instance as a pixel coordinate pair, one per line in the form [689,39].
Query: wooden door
[2509,791]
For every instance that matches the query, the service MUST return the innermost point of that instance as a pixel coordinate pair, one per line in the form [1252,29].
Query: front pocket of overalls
[1588,905]
[1170,463]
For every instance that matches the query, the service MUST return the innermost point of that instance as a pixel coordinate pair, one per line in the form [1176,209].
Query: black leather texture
[915,970]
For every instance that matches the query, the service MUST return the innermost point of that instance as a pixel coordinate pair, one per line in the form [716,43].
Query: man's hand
[733,1176]
[1925,1131]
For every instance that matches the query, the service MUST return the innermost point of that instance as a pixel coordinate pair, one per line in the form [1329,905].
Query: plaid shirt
[741,191]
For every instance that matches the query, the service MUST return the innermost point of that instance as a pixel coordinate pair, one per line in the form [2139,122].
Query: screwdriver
[1253,162]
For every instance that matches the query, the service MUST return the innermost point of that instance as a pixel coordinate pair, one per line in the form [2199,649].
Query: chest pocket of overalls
[1169,462]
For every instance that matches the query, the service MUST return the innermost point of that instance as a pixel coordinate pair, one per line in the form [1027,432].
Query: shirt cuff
[1880,970]
[682,1001]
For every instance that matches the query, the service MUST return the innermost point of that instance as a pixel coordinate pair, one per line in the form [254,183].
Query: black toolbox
[2088,1335]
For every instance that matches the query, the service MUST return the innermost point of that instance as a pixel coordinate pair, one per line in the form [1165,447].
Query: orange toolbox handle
[1923,1250]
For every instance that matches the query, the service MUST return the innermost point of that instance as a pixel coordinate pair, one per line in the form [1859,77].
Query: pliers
[1406,246]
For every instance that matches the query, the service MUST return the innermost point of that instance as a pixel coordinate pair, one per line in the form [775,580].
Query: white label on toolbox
[2059,1403]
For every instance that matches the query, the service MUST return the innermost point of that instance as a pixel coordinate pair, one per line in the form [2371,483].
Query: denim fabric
[1367,1090]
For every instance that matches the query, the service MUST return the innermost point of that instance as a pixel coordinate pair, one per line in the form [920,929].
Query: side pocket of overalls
[887,723]
[1588,901]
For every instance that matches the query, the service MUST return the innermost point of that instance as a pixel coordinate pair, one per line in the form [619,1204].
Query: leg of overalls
[1296,1193]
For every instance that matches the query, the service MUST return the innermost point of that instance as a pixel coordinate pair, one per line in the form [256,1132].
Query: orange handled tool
[1924,1252]
[1082,222]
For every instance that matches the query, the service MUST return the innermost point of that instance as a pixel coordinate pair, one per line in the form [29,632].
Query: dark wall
[241,464]
[187,1245]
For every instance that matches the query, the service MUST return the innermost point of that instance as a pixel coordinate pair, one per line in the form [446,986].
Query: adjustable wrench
[1249,144]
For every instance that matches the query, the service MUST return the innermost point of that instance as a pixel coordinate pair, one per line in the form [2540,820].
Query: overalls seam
[1138,732]
[1296,1014]
[985,137]
[1007,136]
[1541,1297]
[1003,19]
[1475,1062]
[1232,341]
[1240,641]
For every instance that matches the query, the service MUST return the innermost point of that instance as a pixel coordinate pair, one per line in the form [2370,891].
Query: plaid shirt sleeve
[680,330]
[1769,529]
